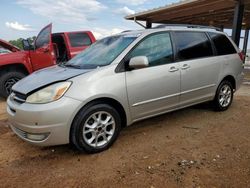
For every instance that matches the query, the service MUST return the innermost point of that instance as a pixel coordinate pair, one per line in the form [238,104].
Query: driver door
[155,89]
[43,55]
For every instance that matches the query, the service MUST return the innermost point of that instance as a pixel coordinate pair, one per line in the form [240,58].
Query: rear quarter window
[222,44]
[79,39]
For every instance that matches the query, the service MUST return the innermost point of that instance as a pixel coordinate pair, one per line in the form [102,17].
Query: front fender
[21,57]
[100,83]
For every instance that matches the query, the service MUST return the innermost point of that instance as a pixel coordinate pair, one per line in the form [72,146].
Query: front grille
[18,97]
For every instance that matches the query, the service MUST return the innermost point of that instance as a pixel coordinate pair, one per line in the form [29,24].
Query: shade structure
[218,13]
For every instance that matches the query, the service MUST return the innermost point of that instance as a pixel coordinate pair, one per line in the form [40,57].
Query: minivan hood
[8,46]
[46,77]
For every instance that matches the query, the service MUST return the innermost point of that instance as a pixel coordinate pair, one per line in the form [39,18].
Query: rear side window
[222,44]
[192,45]
[79,39]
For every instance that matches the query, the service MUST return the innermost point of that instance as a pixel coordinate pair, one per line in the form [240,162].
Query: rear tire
[224,96]
[95,128]
[7,80]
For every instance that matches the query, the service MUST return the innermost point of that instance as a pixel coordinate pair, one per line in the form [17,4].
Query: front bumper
[43,124]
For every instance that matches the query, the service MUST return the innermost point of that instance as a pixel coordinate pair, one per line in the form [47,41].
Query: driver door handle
[185,66]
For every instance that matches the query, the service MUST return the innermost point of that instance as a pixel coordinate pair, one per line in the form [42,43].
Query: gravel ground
[193,147]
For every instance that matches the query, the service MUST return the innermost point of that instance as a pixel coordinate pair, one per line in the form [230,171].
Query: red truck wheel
[7,80]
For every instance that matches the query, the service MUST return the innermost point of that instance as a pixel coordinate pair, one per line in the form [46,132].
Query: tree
[18,42]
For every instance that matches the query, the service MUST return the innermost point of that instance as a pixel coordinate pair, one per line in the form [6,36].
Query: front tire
[95,128]
[224,96]
[7,80]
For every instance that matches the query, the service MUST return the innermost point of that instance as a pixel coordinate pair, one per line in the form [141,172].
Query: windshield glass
[102,52]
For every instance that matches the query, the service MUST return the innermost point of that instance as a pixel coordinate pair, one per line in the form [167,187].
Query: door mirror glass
[26,45]
[138,62]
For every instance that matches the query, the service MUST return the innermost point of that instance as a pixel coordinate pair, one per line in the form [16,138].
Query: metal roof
[218,13]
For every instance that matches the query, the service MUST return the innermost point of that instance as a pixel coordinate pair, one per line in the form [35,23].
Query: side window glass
[192,45]
[222,44]
[43,38]
[157,48]
[79,39]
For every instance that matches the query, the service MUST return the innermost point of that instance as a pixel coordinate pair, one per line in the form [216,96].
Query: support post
[148,24]
[222,27]
[246,40]
[245,43]
[237,22]
[139,23]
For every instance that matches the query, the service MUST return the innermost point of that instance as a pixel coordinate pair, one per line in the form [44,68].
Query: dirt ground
[193,147]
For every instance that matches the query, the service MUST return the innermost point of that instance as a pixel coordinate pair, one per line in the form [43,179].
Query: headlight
[49,94]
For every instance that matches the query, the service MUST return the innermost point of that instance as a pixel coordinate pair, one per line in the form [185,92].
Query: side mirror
[138,62]
[26,45]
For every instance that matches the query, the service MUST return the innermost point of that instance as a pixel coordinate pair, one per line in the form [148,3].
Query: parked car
[122,79]
[49,49]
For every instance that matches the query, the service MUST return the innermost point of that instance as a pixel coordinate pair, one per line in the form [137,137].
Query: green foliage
[18,42]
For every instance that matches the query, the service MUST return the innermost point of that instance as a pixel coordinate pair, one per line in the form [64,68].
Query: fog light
[37,137]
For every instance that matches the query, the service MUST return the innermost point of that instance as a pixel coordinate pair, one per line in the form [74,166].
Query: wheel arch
[15,66]
[231,79]
[112,102]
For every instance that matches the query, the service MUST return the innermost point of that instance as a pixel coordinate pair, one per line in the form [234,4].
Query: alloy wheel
[98,129]
[225,96]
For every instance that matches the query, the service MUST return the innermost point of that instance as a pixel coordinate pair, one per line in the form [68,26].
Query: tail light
[242,56]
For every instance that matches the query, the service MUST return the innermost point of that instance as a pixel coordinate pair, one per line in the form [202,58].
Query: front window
[157,48]
[102,53]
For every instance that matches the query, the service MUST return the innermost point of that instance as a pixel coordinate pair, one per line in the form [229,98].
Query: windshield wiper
[83,66]
[72,66]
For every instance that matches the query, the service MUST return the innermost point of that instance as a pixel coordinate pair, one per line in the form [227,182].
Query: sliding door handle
[173,69]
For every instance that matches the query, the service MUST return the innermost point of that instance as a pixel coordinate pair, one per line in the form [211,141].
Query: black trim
[212,44]
[174,47]
[20,95]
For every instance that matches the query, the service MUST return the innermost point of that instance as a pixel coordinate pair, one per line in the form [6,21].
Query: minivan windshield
[102,52]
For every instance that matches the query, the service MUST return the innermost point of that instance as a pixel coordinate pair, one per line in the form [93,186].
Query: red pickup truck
[49,49]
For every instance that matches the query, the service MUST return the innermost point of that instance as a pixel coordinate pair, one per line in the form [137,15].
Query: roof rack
[126,31]
[188,26]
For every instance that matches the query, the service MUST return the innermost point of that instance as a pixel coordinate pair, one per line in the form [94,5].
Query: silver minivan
[122,79]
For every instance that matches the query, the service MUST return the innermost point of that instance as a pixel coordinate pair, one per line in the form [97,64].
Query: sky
[25,18]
